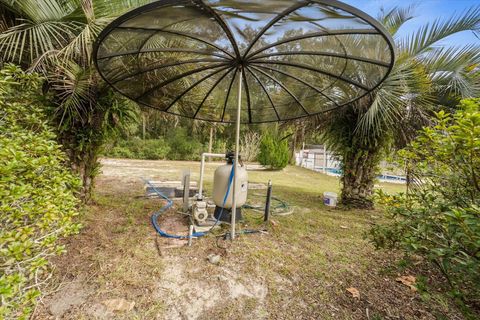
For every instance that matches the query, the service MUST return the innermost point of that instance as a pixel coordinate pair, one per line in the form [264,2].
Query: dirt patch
[190,291]
[69,295]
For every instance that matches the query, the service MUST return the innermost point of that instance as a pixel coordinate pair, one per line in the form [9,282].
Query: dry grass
[299,270]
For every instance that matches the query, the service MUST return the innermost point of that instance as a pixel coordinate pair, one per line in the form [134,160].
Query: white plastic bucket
[330,199]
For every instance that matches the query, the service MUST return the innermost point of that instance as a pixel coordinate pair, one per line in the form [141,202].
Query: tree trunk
[144,125]
[360,165]
[85,165]
[210,143]
[83,162]
[292,148]
[82,152]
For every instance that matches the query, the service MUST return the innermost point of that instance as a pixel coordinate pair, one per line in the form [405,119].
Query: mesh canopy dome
[296,58]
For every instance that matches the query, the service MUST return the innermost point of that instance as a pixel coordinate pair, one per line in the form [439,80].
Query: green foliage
[274,152]
[177,146]
[37,201]
[55,37]
[183,146]
[439,218]
[136,148]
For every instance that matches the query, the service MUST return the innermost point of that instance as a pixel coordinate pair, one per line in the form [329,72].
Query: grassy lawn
[300,269]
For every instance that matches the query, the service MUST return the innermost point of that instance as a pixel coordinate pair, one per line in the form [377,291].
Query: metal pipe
[202,169]
[237,147]
[266,217]
[190,234]
[324,159]
[186,191]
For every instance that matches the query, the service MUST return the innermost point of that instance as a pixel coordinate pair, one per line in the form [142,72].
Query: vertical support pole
[210,142]
[237,143]
[144,125]
[202,169]
[266,217]
[186,191]
[324,159]
[190,234]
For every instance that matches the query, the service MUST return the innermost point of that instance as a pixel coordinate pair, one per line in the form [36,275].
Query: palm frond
[41,11]
[73,88]
[425,37]
[452,57]
[394,19]
[408,87]
[29,40]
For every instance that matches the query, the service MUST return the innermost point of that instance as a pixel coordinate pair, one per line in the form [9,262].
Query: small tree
[274,152]
[439,218]
[250,145]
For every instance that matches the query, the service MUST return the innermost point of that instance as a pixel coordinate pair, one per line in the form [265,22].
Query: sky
[426,11]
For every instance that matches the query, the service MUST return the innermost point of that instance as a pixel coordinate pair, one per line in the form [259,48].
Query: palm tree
[55,37]
[427,76]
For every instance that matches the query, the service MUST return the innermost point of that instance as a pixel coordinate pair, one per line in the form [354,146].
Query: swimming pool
[382,177]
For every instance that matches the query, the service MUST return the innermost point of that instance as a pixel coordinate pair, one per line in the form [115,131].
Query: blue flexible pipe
[168,205]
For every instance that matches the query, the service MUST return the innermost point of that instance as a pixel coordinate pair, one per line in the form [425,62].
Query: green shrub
[120,152]
[37,202]
[274,153]
[182,146]
[136,148]
[155,149]
[439,218]
[177,146]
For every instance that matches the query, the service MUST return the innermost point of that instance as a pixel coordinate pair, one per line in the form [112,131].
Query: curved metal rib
[144,42]
[249,104]
[280,16]
[307,67]
[194,85]
[264,90]
[210,91]
[125,53]
[301,81]
[228,93]
[323,54]
[173,64]
[182,34]
[313,35]
[177,77]
[222,24]
[283,87]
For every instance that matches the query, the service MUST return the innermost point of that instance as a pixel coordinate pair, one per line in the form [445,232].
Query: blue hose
[168,205]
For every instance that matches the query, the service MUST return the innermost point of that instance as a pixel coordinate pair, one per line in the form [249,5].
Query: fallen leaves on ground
[409,281]
[354,291]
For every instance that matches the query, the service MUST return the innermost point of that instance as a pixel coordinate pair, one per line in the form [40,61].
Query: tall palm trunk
[360,165]
[359,155]
[82,142]
[84,163]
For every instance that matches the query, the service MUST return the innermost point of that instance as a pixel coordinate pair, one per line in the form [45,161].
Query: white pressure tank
[220,185]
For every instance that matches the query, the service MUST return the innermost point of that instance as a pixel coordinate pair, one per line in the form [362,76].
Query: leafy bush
[439,218]
[183,146]
[274,153]
[177,146]
[37,202]
[136,148]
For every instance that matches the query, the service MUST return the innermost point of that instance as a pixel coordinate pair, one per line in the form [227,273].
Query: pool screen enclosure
[245,61]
